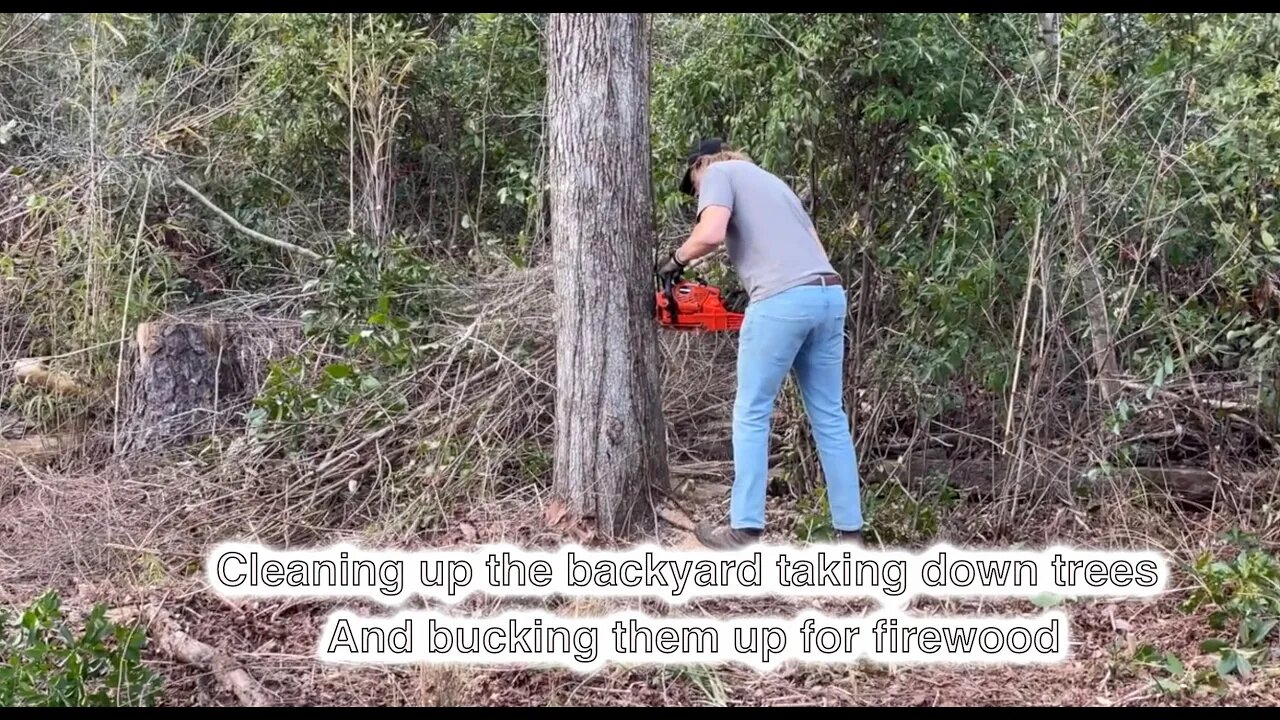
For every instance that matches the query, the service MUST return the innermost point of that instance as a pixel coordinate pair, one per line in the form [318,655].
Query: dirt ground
[100,538]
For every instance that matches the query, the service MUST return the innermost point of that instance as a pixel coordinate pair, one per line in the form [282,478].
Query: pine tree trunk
[610,437]
[182,375]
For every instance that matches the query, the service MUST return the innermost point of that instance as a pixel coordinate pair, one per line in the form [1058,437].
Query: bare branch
[244,230]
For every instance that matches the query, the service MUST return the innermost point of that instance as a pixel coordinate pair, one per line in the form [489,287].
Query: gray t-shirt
[771,240]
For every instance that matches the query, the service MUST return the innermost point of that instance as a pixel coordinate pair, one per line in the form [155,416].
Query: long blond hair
[706,160]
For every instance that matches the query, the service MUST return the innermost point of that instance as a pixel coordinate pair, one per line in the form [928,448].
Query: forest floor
[112,538]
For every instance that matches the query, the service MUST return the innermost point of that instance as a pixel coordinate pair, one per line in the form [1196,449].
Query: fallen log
[175,643]
[1189,485]
[34,447]
[35,372]
[925,471]
[928,470]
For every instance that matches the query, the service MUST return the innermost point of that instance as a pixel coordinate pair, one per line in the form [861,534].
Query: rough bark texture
[610,439]
[182,373]
[1051,31]
[1104,355]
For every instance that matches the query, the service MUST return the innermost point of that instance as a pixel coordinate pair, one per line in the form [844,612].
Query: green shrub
[1243,594]
[48,663]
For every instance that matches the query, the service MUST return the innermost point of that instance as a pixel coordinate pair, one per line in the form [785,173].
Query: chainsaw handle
[669,283]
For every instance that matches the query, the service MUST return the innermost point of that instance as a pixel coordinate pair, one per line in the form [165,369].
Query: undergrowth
[368,323]
[47,661]
[893,514]
[1049,246]
[1239,588]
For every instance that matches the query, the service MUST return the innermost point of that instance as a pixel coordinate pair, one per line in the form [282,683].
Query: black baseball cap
[708,146]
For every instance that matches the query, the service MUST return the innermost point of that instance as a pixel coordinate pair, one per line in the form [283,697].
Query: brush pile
[472,418]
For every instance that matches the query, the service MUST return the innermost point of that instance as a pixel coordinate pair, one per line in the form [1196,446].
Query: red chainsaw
[695,305]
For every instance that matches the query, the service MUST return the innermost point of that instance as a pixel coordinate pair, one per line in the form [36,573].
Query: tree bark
[1095,299]
[182,374]
[610,437]
[1050,30]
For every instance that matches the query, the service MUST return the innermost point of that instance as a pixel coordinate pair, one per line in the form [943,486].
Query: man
[794,321]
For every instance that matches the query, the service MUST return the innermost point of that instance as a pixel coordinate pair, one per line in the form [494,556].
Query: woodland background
[1058,233]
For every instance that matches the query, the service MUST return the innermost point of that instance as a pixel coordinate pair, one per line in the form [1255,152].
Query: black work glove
[670,268]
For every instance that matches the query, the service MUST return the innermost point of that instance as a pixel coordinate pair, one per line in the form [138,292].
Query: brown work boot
[725,538]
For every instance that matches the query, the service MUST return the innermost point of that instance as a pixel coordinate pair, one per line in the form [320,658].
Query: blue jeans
[800,329]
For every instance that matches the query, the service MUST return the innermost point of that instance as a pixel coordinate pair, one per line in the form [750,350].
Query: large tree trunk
[610,439]
[182,374]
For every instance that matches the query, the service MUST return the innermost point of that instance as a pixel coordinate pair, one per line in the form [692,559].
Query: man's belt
[825,280]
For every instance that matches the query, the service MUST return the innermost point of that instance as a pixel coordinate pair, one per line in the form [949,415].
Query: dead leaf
[584,535]
[468,531]
[555,512]
[676,517]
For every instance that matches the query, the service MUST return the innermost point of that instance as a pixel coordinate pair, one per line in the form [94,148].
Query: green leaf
[1260,630]
[339,371]
[1243,668]
[1146,654]
[1227,664]
[1213,645]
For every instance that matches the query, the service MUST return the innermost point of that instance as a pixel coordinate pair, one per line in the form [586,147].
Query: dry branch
[1211,403]
[177,644]
[288,246]
[926,470]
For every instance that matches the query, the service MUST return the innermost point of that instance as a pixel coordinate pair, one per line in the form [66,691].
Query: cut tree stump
[182,374]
